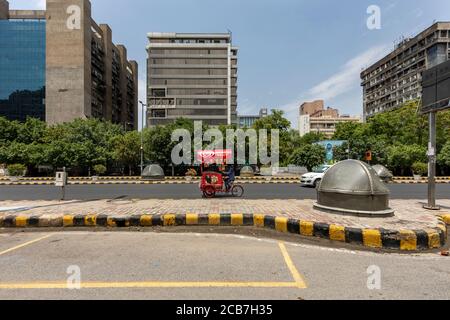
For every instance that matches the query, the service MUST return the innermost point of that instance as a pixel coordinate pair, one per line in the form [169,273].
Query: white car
[312,179]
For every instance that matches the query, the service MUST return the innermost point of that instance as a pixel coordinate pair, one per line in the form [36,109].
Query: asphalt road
[265,191]
[148,265]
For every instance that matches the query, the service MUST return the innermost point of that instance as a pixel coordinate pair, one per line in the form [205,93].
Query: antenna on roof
[231,35]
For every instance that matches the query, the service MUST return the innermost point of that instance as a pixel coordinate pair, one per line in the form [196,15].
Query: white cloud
[345,80]
[28,4]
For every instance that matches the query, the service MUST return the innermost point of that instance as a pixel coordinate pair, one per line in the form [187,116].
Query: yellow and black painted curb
[403,240]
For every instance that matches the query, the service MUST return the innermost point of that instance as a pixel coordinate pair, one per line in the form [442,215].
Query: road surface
[265,191]
[148,265]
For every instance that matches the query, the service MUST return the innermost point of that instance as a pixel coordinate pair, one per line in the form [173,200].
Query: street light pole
[142,136]
[432,164]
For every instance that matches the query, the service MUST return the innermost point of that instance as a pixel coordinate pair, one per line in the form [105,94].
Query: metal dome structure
[383,172]
[153,172]
[352,187]
[247,171]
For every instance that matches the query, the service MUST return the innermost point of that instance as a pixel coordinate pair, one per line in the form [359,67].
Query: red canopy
[214,156]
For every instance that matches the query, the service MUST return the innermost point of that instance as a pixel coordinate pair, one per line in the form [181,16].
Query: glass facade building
[22,68]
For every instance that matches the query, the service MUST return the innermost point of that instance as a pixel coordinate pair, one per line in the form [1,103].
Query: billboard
[329,147]
[436,88]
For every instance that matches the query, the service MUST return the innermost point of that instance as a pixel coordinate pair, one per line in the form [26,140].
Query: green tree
[401,157]
[128,150]
[444,156]
[277,121]
[309,156]
[312,137]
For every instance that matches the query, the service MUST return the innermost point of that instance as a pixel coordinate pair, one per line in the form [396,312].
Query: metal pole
[432,164]
[142,138]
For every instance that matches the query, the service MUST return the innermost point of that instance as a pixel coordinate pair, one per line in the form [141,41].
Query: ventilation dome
[153,172]
[353,187]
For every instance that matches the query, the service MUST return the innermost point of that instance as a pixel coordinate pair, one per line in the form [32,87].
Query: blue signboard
[329,145]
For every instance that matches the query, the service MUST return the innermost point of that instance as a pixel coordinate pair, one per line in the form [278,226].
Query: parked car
[312,179]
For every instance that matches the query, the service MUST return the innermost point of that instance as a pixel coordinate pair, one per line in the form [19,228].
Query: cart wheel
[209,192]
[237,191]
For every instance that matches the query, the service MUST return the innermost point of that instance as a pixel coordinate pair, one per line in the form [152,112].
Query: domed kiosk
[153,172]
[383,172]
[352,187]
[247,172]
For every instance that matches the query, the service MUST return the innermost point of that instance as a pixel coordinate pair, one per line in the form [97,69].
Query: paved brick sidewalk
[409,213]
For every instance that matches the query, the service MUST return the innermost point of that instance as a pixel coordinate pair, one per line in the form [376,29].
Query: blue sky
[291,51]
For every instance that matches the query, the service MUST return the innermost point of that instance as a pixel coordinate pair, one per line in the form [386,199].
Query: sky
[291,51]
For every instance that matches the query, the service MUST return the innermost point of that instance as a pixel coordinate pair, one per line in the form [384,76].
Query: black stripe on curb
[33,221]
[390,239]
[422,240]
[9,222]
[322,230]
[180,219]
[248,220]
[354,236]
[225,219]
[135,221]
[102,220]
[78,221]
[157,220]
[269,222]
[293,226]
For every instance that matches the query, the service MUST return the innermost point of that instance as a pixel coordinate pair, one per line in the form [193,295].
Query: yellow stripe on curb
[258,220]
[169,220]
[111,223]
[90,220]
[146,221]
[307,228]
[192,219]
[67,221]
[372,238]
[21,221]
[434,239]
[408,240]
[337,233]
[214,219]
[237,219]
[446,218]
[281,224]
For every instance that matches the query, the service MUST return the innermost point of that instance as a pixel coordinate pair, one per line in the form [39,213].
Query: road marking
[156,284]
[299,281]
[25,244]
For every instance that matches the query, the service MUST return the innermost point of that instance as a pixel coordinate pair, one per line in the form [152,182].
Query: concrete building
[248,121]
[58,65]
[397,77]
[193,76]
[315,118]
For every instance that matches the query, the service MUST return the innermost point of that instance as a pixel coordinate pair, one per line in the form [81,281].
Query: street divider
[178,181]
[397,240]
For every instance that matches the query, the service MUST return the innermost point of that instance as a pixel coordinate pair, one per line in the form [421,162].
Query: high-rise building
[247,121]
[314,118]
[191,76]
[397,77]
[58,65]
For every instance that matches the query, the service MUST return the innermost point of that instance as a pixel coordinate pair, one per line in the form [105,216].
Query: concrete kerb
[381,239]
